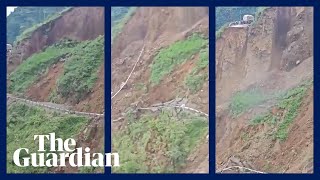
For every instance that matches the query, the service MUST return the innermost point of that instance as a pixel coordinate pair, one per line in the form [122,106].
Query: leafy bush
[203,59]
[266,118]
[158,144]
[177,53]
[195,80]
[80,70]
[23,122]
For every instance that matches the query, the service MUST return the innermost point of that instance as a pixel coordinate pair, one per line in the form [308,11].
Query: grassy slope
[158,144]
[30,70]
[24,122]
[196,78]
[168,58]
[289,103]
[80,70]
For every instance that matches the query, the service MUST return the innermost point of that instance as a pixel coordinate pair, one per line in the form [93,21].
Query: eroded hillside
[65,25]
[264,95]
[55,83]
[159,69]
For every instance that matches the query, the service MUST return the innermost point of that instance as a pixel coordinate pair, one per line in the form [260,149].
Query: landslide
[159,31]
[255,67]
[78,23]
[153,28]
[61,63]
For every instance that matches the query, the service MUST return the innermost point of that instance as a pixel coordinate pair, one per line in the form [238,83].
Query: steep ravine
[274,55]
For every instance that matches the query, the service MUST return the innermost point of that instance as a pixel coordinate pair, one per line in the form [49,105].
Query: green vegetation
[81,69]
[266,118]
[157,144]
[289,105]
[177,53]
[119,17]
[28,32]
[54,97]
[195,80]
[141,87]
[24,17]
[30,70]
[244,100]
[23,122]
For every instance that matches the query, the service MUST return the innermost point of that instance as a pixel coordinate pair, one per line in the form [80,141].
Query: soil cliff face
[246,56]
[274,54]
[79,23]
[153,28]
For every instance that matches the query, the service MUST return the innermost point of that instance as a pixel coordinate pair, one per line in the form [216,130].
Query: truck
[246,20]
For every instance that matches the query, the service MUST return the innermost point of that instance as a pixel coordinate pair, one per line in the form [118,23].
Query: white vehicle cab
[9,47]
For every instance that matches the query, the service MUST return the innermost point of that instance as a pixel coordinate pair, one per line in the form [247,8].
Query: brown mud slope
[41,90]
[80,23]
[275,54]
[162,27]
[155,28]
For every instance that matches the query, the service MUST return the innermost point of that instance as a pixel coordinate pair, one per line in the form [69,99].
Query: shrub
[80,70]
[195,80]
